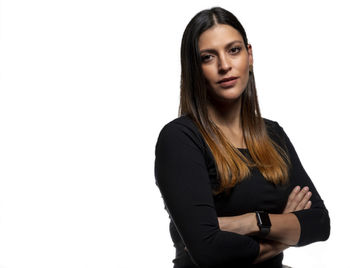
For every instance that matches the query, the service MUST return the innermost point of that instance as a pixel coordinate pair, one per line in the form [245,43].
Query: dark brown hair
[232,165]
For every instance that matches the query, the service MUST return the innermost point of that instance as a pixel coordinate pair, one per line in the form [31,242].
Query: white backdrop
[86,86]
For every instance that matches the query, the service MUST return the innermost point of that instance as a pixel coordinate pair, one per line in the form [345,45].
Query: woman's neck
[228,118]
[226,115]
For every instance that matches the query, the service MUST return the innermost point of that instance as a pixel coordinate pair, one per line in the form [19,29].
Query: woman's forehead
[218,36]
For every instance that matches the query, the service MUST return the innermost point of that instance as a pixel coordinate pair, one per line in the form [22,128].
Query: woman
[231,181]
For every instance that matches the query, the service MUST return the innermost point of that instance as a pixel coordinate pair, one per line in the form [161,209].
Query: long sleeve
[183,180]
[314,222]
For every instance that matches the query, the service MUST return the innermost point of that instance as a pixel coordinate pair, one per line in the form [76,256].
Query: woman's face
[225,62]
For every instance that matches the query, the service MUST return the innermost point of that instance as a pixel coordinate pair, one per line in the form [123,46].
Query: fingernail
[297,188]
[306,189]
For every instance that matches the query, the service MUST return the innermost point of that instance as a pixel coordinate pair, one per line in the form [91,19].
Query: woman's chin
[226,99]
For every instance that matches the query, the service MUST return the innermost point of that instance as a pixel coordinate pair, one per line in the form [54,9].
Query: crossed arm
[285,227]
[181,170]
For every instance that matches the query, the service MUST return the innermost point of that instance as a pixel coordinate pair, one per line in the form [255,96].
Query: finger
[288,207]
[308,205]
[299,197]
[294,193]
[304,201]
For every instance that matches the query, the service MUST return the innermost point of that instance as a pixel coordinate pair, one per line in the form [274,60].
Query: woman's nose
[224,65]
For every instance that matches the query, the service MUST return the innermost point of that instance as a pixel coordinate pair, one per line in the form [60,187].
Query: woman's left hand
[299,199]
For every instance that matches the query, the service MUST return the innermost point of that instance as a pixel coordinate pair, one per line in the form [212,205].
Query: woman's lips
[228,82]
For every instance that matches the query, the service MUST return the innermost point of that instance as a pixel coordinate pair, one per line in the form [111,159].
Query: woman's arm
[297,226]
[314,222]
[246,224]
[183,180]
[269,249]
[285,228]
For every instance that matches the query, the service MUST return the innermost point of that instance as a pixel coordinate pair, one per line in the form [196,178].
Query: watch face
[265,219]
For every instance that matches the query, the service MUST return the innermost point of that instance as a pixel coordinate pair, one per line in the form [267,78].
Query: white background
[86,87]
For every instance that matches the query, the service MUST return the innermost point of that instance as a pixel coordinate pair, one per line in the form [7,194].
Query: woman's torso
[252,194]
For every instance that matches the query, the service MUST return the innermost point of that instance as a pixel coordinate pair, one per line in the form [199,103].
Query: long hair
[232,166]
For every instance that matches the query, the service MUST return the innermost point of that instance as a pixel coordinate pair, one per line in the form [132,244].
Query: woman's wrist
[254,228]
[245,224]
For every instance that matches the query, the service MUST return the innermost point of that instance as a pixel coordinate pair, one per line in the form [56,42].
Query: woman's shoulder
[182,127]
[185,124]
[270,123]
[275,131]
[184,121]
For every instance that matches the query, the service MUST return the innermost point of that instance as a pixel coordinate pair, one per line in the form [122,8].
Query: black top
[185,173]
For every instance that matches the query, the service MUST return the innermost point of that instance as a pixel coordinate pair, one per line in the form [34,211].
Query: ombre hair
[232,166]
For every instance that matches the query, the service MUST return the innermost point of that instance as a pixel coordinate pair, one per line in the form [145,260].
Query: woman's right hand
[298,199]
[269,249]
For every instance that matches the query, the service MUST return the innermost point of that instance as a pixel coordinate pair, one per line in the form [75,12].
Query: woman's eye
[235,50]
[206,58]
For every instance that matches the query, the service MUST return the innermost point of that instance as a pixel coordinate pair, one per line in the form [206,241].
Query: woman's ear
[250,54]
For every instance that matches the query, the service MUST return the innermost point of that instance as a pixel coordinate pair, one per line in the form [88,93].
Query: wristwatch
[264,223]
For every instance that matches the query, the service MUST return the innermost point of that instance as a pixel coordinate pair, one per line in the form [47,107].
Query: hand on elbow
[299,199]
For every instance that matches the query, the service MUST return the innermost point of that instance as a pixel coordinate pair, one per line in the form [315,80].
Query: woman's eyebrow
[211,50]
